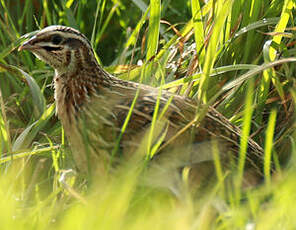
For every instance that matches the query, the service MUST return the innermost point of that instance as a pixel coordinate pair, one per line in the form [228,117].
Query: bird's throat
[71,93]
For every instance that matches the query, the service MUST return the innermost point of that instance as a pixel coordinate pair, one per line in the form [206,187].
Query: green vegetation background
[219,51]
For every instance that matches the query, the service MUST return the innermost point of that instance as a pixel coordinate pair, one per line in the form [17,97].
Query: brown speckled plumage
[92,104]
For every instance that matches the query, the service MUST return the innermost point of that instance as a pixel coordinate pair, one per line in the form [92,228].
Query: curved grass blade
[256,25]
[27,136]
[38,98]
[18,155]
[214,72]
[255,71]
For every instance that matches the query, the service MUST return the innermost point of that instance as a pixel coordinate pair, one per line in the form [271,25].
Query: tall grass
[220,52]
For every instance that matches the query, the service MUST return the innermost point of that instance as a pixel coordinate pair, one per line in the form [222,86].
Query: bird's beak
[29,45]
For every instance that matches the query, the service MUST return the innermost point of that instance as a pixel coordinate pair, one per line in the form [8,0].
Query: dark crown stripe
[72,31]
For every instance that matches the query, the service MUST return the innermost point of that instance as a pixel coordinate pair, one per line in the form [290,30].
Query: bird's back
[177,123]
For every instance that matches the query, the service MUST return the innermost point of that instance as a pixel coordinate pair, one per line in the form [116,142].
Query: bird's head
[64,48]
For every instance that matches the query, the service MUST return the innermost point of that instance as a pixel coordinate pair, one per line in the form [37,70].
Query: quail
[94,105]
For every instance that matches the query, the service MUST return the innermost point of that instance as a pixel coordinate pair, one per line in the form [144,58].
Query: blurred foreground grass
[228,61]
[122,201]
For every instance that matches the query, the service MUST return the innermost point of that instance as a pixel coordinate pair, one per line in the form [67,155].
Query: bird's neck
[81,68]
[77,60]
[75,86]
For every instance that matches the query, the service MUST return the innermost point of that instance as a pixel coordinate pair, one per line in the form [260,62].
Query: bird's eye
[56,39]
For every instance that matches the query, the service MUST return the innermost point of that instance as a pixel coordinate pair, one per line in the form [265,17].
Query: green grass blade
[281,26]
[47,12]
[38,98]
[251,15]
[8,15]
[133,37]
[215,72]
[211,52]
[5,140]
[92,40]
[247,119]
[126,121]
[255,25]
[198,28]
[20,154]
[27,136]
[105,24]
[70,16]
[255,71]
[157,124]
[268,147]
[153,35]
[7,50]
[153,124]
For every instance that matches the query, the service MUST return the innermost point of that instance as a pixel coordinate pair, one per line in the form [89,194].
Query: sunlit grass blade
[159,126]
[261,23]
[198,28]
[153,35]
[153,125]
[269,146]
[47,12]
[22,154]
[218,164]
[134,74]
[126,121]
[264,84]
[255,71]
[247,119]
[215,72]
[282,24]
[211,52]
[230,37]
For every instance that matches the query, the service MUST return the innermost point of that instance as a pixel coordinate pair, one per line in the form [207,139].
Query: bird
[94,106]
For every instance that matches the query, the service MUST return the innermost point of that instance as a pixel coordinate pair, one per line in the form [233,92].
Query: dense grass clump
[237,56]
